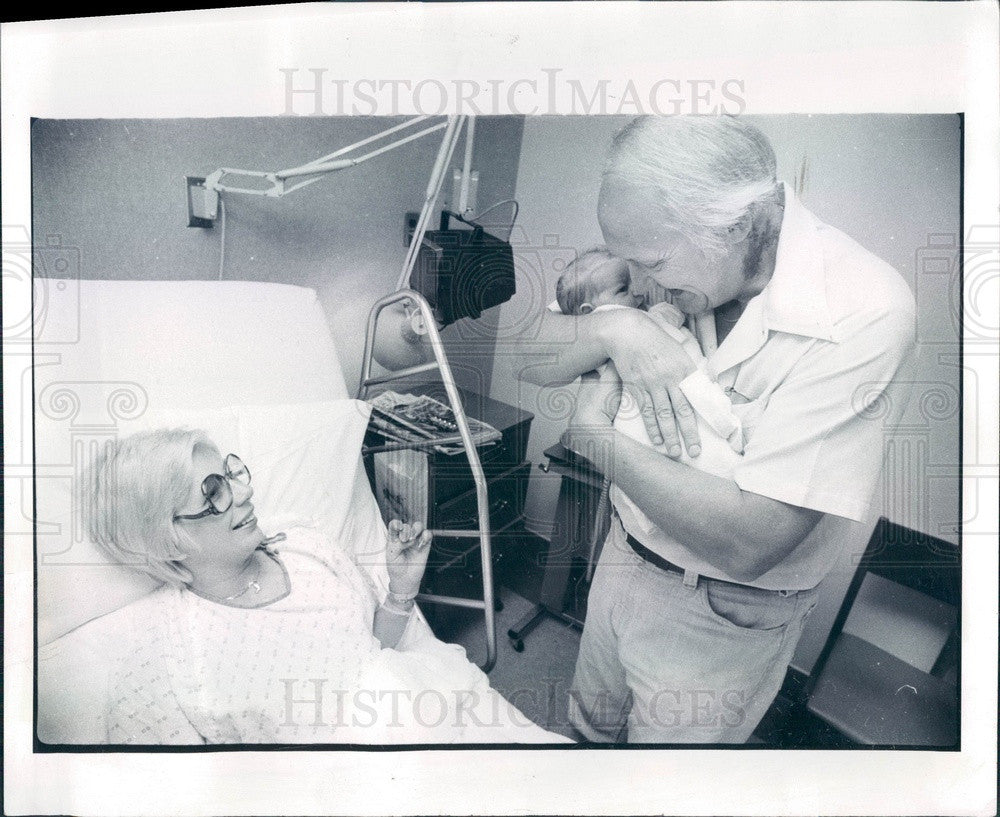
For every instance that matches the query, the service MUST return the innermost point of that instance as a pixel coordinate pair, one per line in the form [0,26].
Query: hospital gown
[305,669]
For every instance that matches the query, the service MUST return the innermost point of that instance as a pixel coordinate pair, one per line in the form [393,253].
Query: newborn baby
[599,280]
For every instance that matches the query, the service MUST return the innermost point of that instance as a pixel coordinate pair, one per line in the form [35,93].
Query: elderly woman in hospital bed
[132,653]
[280,639]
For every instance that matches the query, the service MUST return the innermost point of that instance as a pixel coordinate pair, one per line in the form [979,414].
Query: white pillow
[111,351]
[306,467]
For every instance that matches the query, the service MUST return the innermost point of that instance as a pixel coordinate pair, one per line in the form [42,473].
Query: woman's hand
[406,556]
[654,364]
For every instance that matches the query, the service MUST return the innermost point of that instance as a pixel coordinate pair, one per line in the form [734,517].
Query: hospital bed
[252,363]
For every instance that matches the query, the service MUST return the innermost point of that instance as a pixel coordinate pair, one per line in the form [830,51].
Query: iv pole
[276,184]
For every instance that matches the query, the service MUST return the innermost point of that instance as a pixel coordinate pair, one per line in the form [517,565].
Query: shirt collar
[794,300]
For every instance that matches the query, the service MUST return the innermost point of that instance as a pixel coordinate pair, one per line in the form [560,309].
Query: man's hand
[590,433]
[406,556]
[654,364]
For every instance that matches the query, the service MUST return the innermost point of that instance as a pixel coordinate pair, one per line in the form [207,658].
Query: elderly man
[692,620]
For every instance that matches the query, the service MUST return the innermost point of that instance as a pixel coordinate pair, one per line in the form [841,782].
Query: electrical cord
[492,207]
[222,241]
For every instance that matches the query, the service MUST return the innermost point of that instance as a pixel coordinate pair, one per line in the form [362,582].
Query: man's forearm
[742,533]
[577,344]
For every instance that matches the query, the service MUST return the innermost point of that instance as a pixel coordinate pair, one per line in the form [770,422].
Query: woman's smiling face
[230,536]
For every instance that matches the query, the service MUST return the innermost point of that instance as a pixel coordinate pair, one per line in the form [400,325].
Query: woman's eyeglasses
[218,491]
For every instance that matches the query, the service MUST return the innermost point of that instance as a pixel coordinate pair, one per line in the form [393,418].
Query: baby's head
[595,279]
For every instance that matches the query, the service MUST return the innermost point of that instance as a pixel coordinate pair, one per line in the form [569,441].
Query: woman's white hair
[706,172]
[137,485]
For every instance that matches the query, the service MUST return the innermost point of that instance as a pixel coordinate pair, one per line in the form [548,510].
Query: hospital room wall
[890,182]
[115,190]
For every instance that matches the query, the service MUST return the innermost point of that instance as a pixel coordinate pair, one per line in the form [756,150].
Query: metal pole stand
[483,533]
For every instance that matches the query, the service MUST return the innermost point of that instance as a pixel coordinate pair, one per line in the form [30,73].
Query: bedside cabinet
[454,566]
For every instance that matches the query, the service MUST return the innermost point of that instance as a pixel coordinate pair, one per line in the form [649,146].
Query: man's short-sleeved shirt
[809,366]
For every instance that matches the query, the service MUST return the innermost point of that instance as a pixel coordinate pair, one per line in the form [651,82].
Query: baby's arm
[713,406]
[671,320]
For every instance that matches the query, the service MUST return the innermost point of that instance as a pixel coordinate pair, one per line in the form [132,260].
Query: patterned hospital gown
[305,669]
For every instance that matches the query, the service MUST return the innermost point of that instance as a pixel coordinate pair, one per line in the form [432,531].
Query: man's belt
[658,561]
[651,557]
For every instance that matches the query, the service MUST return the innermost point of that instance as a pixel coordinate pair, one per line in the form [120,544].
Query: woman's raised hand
[406,556]
[654,364]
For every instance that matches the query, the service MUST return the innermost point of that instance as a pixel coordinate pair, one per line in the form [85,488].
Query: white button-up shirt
[809,366]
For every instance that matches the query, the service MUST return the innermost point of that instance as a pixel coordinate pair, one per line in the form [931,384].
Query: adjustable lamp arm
[279,183]
[217,181]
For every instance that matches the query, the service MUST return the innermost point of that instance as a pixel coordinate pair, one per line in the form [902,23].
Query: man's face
[660,257]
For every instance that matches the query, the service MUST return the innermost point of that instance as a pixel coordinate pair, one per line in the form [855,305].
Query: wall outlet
[456,192]
[409,227]
[202,204]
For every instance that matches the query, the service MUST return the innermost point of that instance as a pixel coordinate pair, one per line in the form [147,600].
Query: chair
[867,693]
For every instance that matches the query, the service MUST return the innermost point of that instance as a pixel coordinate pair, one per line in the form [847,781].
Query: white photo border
[792,57]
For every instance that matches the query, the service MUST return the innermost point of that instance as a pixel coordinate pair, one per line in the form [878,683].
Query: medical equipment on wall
[460,272]
[445,277]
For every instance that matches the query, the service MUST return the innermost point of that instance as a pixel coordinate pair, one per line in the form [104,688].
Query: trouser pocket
[748,608]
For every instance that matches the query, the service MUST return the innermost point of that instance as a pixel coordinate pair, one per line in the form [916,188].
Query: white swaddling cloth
[719,428]
[306,669]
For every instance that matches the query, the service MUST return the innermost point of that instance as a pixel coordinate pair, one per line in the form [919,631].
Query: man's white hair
[705,172]
[137,485]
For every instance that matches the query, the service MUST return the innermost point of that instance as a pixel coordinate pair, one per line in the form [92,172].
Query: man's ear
[738,232]
[586,308]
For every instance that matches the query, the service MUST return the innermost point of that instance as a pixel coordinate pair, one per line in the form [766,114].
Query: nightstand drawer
[454,565]
[506,491]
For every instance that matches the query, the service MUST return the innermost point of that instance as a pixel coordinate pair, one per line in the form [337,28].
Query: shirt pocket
[748,412]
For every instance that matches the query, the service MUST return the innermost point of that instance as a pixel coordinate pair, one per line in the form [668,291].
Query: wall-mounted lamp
[460,273]
[203,194]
